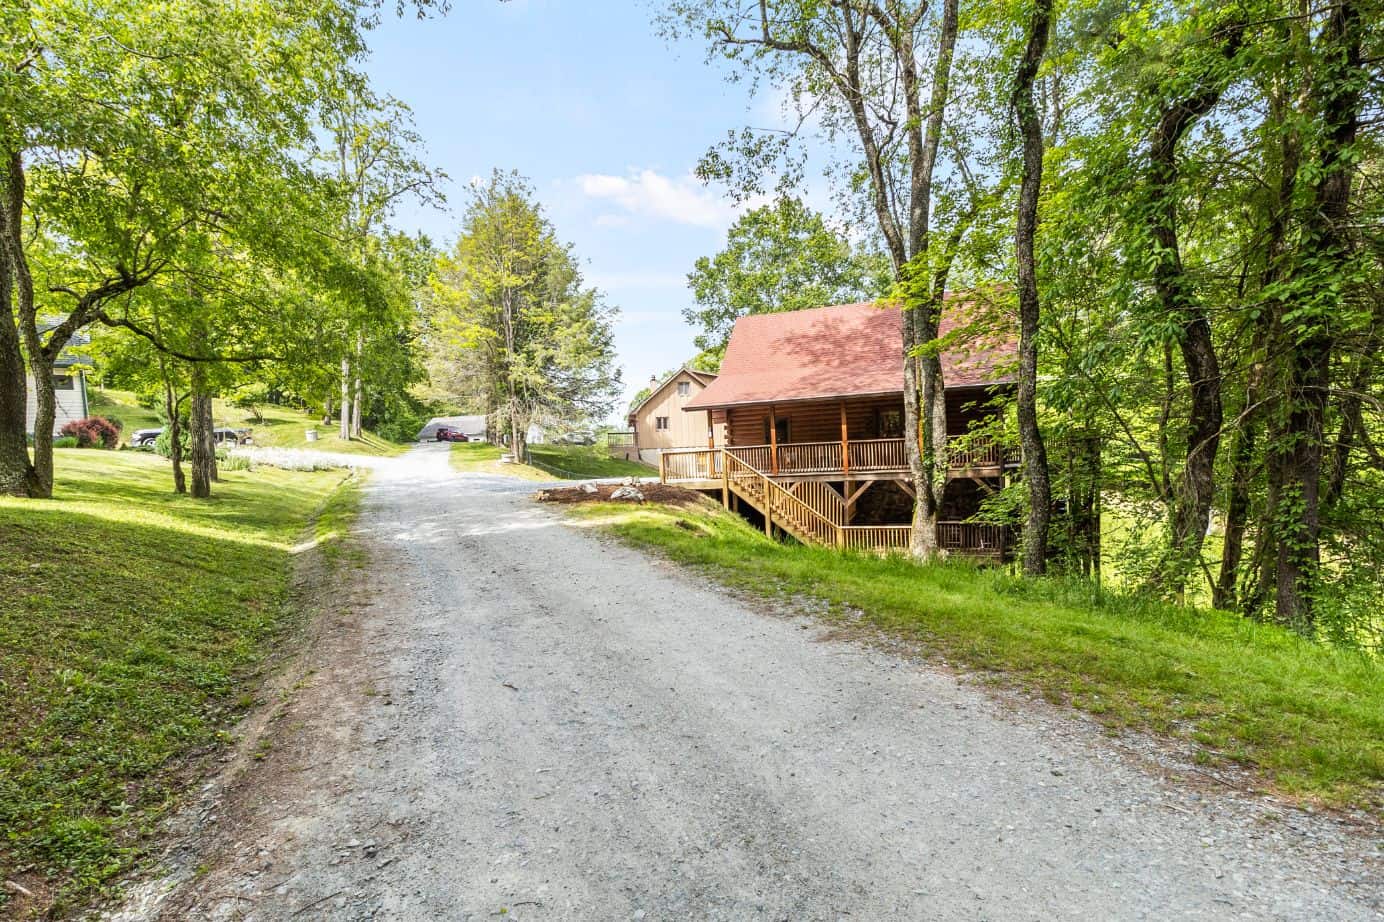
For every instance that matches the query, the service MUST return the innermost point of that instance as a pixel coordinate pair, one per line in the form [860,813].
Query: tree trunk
[46,407]
[17,474]
[1327,247]
[327,413]
[175,436]
[356,428]
[1035,456]
[202,438]
[922,387]
[1195,488]
[171,403]
[345,429]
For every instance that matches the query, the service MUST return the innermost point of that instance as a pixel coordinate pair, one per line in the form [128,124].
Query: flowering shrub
[92,432]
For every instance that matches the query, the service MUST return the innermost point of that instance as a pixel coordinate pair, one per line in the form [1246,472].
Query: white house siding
[71,402]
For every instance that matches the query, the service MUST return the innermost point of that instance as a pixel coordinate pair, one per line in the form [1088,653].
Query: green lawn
[1310,718]
[568,462]
[484,458]
[280,426]
[578,462]
[133,621]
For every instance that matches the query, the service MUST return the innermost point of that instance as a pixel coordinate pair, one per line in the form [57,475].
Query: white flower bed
[301,459]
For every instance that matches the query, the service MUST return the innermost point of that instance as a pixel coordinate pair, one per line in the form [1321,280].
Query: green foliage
[779,257]
[511,317]
[115,668]
[163,444]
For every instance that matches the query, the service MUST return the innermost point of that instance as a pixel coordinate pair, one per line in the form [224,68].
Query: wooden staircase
[810,509]
[813,513]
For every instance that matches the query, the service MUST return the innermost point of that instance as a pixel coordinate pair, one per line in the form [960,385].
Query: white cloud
[682,200]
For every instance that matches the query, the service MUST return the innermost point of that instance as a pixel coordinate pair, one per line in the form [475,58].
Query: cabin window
[888,424]
[660,422]
[684,388]
[780,433]
[63,382]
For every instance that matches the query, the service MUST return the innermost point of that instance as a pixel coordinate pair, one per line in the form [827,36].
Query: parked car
[222,435]
[443,434]
[456,435]
[145,438]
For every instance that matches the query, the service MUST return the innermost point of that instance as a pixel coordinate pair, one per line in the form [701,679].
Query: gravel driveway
[530,722]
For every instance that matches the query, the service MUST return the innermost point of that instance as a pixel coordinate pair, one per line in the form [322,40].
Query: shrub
[163,442]
[227,461]
[66,441]
[401,428]
[92,432]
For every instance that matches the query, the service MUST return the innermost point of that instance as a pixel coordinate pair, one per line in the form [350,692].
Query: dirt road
[524,721]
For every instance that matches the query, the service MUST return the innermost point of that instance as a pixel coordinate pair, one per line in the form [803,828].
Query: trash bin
[310,435]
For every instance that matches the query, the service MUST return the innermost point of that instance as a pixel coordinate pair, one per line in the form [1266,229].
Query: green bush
[229,462]
[66,441]
[163,444]
[401,428]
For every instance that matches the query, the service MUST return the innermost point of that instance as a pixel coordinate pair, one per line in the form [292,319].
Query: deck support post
[725,480]
[773,440]
[662,467]
[845,442]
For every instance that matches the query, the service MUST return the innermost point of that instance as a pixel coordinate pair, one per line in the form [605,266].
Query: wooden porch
[793,487]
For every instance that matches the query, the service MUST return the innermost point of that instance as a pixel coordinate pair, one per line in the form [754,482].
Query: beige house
[658,421]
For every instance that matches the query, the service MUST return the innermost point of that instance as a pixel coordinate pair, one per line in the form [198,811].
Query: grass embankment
[577,462]
[568,462]
[281,427]
[484,458]
[132,621]
[1310,718]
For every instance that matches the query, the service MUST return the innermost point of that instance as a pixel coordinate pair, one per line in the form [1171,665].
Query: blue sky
[605,119]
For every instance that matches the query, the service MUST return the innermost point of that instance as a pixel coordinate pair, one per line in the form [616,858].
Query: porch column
[845,442]
[710,431]
[773,440]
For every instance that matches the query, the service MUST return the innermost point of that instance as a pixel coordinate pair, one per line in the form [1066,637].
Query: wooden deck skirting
[808,508]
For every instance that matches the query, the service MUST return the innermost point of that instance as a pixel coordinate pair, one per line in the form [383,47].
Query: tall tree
[128,144]
[863,69]
[779,257]
[509,302]
[1035,456]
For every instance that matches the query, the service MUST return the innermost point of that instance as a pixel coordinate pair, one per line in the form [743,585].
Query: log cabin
[805,429]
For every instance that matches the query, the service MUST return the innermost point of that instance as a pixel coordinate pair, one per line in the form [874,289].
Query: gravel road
[526,721]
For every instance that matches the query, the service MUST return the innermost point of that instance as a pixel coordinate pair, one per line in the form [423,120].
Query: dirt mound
[653,493]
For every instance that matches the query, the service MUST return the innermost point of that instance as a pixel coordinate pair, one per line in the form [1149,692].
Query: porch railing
[863,456]
[813,511]
[971,537]
[688,464]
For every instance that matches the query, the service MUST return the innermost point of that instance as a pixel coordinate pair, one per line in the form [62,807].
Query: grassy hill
[281,427]
[133,620]
[554,462]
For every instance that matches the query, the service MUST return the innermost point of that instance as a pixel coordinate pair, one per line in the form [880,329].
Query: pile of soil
[653,493]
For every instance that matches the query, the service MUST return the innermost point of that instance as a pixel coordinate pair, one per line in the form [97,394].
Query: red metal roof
[849,350]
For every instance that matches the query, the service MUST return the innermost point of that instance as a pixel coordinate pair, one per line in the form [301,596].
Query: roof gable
[704,378]
[848,350]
